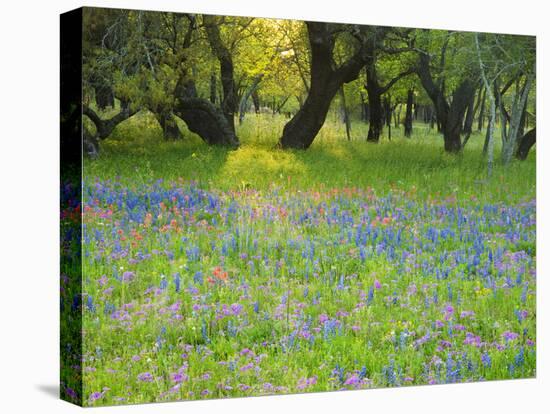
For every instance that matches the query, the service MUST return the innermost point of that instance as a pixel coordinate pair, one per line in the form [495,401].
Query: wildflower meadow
[264,206]
[191,291]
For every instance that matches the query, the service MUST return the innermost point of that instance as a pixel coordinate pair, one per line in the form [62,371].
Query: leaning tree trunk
[104,127]
[247,94]
[409,113]
[526,142]
[302,129]
[202,117]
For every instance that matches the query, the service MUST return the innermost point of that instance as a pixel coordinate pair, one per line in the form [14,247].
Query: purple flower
[145,377]
[449,310]
[472,339]
[128,276]
[323,318]
[304,383]
[179,377]
[246,367]
[96,396]
[467,314]
[236,308]
[377,284]
[353,380]
[486,359]
[510,336]
[246,351]
[71,393]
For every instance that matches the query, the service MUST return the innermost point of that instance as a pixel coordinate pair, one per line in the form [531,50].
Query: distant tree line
[210,71]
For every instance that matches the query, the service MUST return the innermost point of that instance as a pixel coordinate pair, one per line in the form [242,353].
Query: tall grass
[136,152]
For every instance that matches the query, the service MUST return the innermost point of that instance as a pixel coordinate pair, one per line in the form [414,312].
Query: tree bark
[449,116]
[247,94]
[377,115]
[256,101]
[409,113]
[488,147]
[469,118]
[526,142]
[481,111]
[222,53]
[104,127]
[518,107]
[202,117]
[345,112]
[302,129]
[170,129]
[213,92]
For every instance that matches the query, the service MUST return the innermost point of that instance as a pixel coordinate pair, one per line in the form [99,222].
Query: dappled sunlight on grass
[252,166]
[137,152]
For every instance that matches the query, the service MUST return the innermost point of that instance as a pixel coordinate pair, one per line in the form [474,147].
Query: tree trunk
[488,148]
[302,129]
[104,127]
[202,117]
[409,113]
[378,114]
[388,115]
[469,118]
[481,111]
[364,108]
[213,92]
[222,53]
[518,107]
[526,142]
[449,117]
[397,115]
[244,100]
[376,120]
[170,129]
[451,133]
[256,101]
[345,112]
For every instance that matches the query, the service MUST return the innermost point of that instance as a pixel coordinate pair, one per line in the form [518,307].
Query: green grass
[136,152]
[345,260]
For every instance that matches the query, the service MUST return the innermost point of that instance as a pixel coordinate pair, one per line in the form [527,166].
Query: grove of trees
[211,71]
